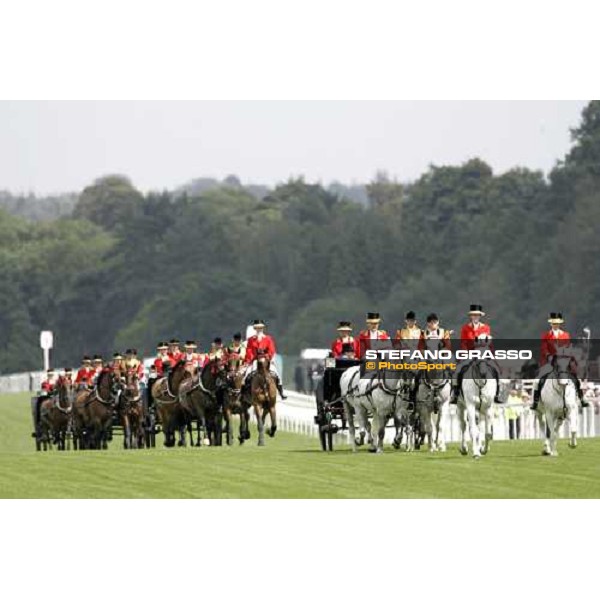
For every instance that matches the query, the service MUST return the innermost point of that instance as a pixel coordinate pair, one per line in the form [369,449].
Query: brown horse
[236,402]
[202,399]
[131,412]
[263,391]
[93,412]
[172,416]
[55,415]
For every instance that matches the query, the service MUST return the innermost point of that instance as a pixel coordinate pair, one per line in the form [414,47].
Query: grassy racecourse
[290,466]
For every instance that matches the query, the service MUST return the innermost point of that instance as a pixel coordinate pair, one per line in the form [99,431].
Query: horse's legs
[350,420]
[487,415]
[273,416]
[572,418]
[462,420]
[260,422]
[473,430]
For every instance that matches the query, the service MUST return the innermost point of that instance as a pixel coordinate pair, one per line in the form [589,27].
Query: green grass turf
[290,466]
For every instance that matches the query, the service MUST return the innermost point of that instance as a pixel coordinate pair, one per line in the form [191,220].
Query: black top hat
[555,317]
[190,344]
[174,342]
[258,322]
[86,358]
[68,370]
[117,355]
[348,347]
[410,315]
[432,317]
[162,346]
[217,340]
[97,357]
[237,336]
[373,316]
[345,325]
[129,351]
[50,371]
[476,309]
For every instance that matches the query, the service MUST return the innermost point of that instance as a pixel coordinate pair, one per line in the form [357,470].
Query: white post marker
[46,343]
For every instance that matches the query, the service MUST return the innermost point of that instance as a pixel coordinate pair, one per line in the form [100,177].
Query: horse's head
[262,360]
[66,390]
[131,385]
[562,368]
[235,382]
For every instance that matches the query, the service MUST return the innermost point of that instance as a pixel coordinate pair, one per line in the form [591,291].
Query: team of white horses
[388,397]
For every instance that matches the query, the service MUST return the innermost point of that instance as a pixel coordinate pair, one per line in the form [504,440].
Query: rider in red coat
[469,333]
[86,372]
[337,346]
[162,362]
[371,333]
[261,341]
[174,353]
[551,341]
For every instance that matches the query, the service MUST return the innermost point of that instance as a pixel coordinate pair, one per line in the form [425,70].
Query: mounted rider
[371,333]
[133,364]
[344,338]
[260,341]
[472,334]
[85,375]
[409,336]
[217,351]
[162,364]
[554,341]
[97,365]
[48,389]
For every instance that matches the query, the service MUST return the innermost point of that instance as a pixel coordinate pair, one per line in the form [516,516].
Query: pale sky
[50,147]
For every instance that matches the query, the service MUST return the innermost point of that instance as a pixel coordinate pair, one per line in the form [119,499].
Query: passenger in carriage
[371,333]
[48,388]
[348,351]
[344,338]
[409,336]
[236,351]
[162,362]
[85,374]
[472,333]
[217,351]
[193,360]
[266,344]
[68,376]
[552,340]
[133,363]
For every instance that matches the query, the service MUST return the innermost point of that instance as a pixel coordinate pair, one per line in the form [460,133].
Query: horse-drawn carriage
[331,416]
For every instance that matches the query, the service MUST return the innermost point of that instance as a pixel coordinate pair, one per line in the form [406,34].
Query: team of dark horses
[212,398]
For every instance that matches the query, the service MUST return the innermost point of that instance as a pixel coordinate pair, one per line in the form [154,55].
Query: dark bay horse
[55,415]
[236,402]
[202,399]
[263,391]
[170,412]
[93,412]
[131,412]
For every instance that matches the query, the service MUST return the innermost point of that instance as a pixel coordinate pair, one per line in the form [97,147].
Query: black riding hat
[432,317]
[410,315]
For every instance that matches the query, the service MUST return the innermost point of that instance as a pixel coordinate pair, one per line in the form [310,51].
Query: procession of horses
[173,404]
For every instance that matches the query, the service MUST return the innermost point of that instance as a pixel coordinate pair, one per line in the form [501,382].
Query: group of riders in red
[345,346]
[472,333]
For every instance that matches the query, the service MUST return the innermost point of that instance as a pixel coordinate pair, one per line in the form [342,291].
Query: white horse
[558,401]
[433,407]
[406,416]
[476,403]
[355,405]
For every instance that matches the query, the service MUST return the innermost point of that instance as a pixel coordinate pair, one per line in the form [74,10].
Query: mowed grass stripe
[290,466]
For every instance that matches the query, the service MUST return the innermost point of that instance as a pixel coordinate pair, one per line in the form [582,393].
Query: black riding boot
[584,402]
[455,392]
[280,388]
[496,401]
[536,398]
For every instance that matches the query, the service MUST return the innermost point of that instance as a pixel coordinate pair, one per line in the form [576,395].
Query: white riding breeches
[251,368]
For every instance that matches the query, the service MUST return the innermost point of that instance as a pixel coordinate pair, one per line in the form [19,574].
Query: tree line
[118,268]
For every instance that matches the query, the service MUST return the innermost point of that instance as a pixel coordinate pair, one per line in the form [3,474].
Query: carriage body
[331,416]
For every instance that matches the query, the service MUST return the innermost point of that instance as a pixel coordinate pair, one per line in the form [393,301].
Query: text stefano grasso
[414,355]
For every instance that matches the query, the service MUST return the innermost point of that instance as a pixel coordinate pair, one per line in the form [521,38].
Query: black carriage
[330,416]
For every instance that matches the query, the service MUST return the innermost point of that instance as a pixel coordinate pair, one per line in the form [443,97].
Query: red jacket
[468,334]
[48,386]
[159,363]
[364,340]
[85,375]
[550,344]
[267,343]
[175,358]
[338,343]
